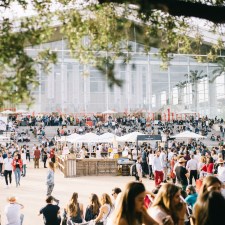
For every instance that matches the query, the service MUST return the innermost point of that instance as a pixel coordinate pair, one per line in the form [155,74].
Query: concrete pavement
[32,191]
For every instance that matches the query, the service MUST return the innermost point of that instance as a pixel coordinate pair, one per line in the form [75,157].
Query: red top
[17,162]
[209,168]
[52,153]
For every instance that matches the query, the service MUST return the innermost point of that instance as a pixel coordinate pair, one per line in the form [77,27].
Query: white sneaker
[6,186]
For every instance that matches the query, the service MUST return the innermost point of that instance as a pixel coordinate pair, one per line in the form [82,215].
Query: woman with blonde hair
[131,209]
[168,207]
[105,209]
[93,208]
[74,209]
[210,183]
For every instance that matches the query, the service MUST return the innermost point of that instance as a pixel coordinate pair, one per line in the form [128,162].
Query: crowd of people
[189,178]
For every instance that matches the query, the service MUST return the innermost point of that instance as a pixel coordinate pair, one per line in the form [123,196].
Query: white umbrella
[21,111]
[132,137]
[109,112]
[188,134]
[7,112]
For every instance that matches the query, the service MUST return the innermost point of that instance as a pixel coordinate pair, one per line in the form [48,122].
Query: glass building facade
[71,87]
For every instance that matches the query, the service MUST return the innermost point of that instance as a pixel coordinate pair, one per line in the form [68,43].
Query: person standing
[52,155]
[139,169]
[45,157]
[7,168]
[12,212]
[192,167]
[27,152]
[24,161]
[163,158]
[182,173]
[150,162]
[17,168]
[157,169]
[1,163]
[51,212]
[50,180]
[37,154]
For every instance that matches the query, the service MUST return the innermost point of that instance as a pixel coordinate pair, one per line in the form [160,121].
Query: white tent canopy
[72,137]
[186,112]
[109,112]
[132,137]
[22,111]
[7,112]
[106,138]
[188,134]
[88,137]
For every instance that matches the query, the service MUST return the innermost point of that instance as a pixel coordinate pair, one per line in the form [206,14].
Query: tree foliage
[98,34]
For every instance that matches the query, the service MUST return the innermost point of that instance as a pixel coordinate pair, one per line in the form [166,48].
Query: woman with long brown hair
[92,209]
[74,209]
[131,209]
[167,207]
[105,210]
[209,209]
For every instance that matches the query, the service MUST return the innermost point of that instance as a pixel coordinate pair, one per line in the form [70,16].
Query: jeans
[24,169]
[50,189]
[21,218]
[17,176]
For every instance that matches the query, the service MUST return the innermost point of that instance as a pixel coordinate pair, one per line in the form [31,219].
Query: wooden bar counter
[72,167]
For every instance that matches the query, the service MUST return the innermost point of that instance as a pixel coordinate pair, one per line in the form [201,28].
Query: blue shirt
[191,199]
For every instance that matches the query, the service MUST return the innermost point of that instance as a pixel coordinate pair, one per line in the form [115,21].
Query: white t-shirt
[221,173]
[157,214]
[8,163]
[12,212]
[150,159]
[23,157]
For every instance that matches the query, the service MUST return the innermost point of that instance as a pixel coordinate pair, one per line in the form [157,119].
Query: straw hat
[220,160]
[182,160]
[12,199]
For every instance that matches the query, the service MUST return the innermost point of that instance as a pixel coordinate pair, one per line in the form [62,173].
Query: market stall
[72,167]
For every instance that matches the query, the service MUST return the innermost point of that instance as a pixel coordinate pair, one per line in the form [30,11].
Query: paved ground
[32,191]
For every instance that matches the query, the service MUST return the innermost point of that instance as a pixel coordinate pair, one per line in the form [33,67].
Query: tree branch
[213,13]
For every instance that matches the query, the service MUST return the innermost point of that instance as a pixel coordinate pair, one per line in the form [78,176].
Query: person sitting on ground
[210,183]
[74,209]
[131,209]
[105,210]
[168,207]
[93,208]
[12,212]
[51,212]
[191,196]
[209,209]
[116,193]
